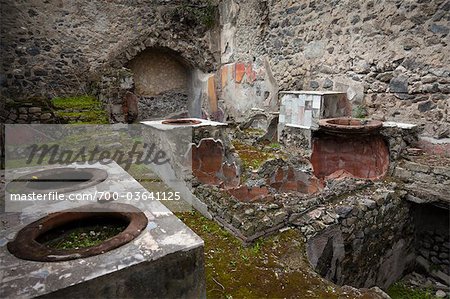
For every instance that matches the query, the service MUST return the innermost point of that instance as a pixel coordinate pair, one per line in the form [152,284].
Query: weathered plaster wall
[246,81]
[390,56]
[155,72]
[51,47]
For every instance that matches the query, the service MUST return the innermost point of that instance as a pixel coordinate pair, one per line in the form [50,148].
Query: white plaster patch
[180,238]
[146,242]
[391,124]
[42,273]
[65,276]
[39,286]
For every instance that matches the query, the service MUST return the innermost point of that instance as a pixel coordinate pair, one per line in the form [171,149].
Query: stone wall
[173,276]
[425,183]
[55,47]
[370,242]
[28,113]
[389,56]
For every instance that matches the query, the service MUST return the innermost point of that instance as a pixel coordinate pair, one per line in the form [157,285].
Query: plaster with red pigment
[242,70]
[439,149]
[358,156]
[286,179]
[208,164]
[239,72]
[251,194]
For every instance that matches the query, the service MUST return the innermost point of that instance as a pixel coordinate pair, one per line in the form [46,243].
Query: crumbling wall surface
[391,56]
[371,243]
[52,47]
[425,183]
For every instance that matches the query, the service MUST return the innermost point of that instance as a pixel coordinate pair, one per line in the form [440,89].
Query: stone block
[413,166]
[165,260]
[399,84]
[34,110]
[402,173]
[46,116]
[440,170]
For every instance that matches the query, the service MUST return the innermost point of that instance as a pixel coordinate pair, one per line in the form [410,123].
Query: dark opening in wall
[432,230]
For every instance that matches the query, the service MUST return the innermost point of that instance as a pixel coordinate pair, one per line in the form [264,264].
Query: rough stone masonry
[391,57]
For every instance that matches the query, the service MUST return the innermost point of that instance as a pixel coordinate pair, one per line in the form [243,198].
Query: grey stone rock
[46,116]
[33,51]
[399,84]
[443,256]
[413,166]
[314,49]
[435,260]
[343,211]
[380,293]
[314,84]
[426,106]
[439,29]
[34,109]
[249,212]
[274,206]
[327,83]
[424,253]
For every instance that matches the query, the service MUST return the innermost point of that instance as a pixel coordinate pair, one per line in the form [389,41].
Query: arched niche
[159,70]
[166,84]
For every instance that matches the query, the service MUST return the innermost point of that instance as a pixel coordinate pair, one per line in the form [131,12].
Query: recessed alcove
[165,84]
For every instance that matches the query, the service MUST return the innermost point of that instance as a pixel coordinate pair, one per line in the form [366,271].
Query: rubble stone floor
[272,267]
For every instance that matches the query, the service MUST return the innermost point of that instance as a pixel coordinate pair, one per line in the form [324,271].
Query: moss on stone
[80,110]
[273,267]
[76,103]
[84,117]
[84,237]
[203,13]
[400,291]
[252,156]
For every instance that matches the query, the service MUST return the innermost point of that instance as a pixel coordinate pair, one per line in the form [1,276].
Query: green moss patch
[80,110]
[76,103]
[401,291]
[275,267]
[82,237]
[84,117]
[252,157]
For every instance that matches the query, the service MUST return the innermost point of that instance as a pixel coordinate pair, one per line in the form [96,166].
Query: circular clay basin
[348,126]
[181,122]
[61,180]
[29,243]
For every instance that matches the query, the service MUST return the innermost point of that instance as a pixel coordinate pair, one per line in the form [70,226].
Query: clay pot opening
[58,179]
[349,126]
[41,240]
